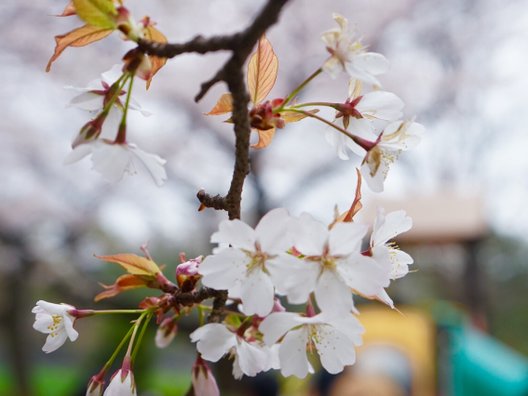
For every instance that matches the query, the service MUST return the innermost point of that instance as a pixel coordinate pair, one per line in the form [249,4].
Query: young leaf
[100,13]
[262,71]
[223,105]
[356,206]
[68,10]
[153,34]
[124,282]
[79,37]
[133,264]
[265,138]
[291,116]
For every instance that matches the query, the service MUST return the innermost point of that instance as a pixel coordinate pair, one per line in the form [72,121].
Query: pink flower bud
[166,332]
[187,273]
[95,385]
[122,384]
[203,381]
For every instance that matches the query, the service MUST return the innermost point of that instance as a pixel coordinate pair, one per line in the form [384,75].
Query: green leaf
[100,13]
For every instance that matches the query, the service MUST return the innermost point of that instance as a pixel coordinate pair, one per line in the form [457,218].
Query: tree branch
[240,44]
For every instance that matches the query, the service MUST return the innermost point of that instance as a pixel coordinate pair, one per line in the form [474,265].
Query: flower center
[56,325]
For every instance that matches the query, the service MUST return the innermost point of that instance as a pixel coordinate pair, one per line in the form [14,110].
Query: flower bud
[203,381]
[187,273]
[95,385]
[262,117]
[166,332]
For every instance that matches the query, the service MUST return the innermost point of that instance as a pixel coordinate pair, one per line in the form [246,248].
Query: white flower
[360,115]
[255,258]
[398,136]
[214,340]
[54,320]
[112,160]
[92,97]
[203,380]
[348,54]
[122,384]
[387,227]
[332,266]
[334,338]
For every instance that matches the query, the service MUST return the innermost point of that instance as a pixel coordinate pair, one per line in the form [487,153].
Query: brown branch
[240,44]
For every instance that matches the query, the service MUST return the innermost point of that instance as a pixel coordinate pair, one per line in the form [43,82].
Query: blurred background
[460,67]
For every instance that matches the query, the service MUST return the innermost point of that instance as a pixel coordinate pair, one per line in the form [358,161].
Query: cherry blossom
[398,136]
[331,267]
[349,55]
[92,97]
[334,338]
[254,261]
[112,160]
[386,227]
[122,384]
[214,340]
[56,321]
[361,115]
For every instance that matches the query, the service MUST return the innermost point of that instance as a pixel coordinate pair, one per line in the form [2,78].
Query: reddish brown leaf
[123,283]
[291,116]
[262,71]
[154,34]
[223,105]
[133,264]
[356,206]
[265,138]
[79,37]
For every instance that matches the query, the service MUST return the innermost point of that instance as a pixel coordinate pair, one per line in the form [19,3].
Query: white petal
[333,67]
[292,354]
[78,153]
[334,348]
[390,225]
[257,293]
[119,387]
[345,238]
[214,341]
[349,325]
[224,269]
[400,263]
[339,142]
[87,101]
[276,325]
[273,231]
[111,160]
[372,63]
[310,235]
[382,105]
[332,294]
[42,322]
[68,327]
[54,341]
[236,233]
[385,298]
[293,276]
[252,359]
[111,76]
[152,163]
[375,181]
[359,73]
[364,274]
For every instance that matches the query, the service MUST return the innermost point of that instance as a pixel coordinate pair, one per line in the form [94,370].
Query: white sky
[460,68]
